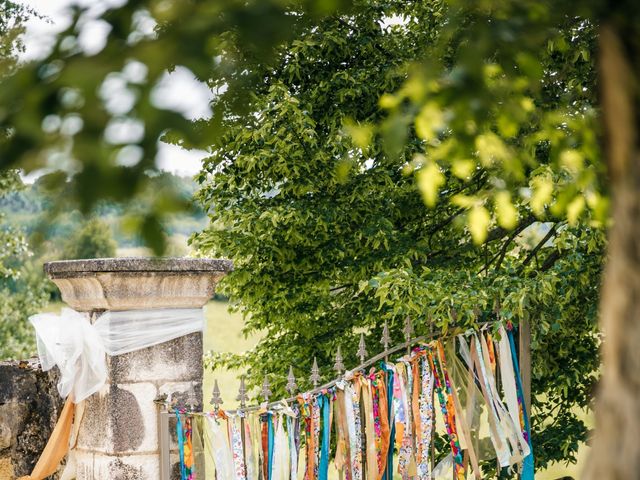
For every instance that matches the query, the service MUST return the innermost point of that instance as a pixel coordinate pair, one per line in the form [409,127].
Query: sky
[178,91]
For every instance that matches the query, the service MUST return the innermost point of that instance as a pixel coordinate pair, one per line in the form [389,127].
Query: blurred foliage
[312,194]
[13,16]
[22,290]
[508,89]
[29,207]
[92,240]
[59,113]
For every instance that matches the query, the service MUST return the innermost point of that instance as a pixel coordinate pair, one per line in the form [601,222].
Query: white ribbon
[280,469]
[508,376]
[220,448]
[79,348]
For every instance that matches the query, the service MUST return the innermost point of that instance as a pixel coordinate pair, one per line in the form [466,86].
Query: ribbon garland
[386,409]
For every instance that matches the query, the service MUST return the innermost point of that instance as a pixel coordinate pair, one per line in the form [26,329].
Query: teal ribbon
[388,472]
[528,472]
[270,435]
[180,435]
[323,469]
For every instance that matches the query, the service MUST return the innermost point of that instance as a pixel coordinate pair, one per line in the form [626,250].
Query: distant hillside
[28,208]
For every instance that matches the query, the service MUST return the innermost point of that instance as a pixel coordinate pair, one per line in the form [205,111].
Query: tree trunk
[616,443]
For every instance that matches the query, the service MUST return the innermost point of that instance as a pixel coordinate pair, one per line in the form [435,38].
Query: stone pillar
[119,434]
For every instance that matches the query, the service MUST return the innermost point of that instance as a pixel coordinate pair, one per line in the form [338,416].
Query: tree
[91,240]
[22,293]
[12,19]
[618,402]
[329,235]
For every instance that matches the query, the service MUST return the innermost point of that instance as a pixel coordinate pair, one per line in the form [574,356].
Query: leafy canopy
[312,194]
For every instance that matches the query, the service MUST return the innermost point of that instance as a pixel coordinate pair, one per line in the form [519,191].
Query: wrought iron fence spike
[362,349]
[315,373]
[338,366]
[386,338]
[242,393]
[216,399]
[291,382]
[266,389]
[408,329]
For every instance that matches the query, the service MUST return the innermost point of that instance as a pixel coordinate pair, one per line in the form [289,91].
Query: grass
[223,333]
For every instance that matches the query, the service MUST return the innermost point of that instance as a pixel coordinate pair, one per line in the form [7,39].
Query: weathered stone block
[136,283]
[29,408]
[91,466]
[122,420]
[177,360]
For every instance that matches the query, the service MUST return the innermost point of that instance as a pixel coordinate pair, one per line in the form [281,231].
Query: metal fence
[167,409]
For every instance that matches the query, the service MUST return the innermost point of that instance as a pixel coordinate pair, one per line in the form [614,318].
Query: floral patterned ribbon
[423,414]
[237,449]
[445,397]
[354,424]
[402,391]
[311,413]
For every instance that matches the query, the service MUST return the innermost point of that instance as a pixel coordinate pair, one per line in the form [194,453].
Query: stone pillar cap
[137,283]
[73,268]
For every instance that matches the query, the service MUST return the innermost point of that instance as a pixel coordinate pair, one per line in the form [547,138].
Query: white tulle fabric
[78,348]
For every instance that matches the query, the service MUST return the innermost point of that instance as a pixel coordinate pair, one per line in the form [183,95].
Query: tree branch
[503,250]
[533,253]
[340,287]
[441,225]
[551,260]
[499,232]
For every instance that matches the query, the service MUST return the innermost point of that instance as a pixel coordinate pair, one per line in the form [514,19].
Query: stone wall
[29,409]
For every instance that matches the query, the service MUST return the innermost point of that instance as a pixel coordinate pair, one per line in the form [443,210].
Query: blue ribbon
[180,435]
[528,472]
[270,443]
[324,404]
[388,473]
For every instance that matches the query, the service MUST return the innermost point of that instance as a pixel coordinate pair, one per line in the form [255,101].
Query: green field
[223,333]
